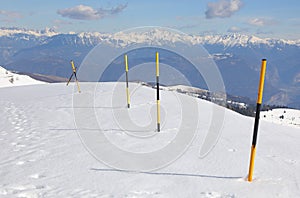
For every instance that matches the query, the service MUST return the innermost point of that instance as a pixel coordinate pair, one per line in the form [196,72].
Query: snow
[185,88]
[9,79]
[240,104]
[43,156]
[282,116]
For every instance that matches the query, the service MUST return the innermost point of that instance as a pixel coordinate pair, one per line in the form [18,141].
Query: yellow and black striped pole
[74,73]
[127,87]
[258,107]
[157,92]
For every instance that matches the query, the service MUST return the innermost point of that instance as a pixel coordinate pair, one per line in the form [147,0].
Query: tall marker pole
[157,92]
[127,89]
[258,107]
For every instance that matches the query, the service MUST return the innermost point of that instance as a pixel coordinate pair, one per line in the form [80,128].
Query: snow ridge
[10,32]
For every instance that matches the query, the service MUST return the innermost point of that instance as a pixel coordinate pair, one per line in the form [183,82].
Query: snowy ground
[9,79]
[41,154]
[282,116]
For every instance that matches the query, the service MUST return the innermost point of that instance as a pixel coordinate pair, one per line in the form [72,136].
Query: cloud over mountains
[262,21]
[222,8]
[83,12]
[9,16]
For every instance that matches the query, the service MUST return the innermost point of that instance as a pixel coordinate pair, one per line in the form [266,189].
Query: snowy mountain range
[237,56]
[157,35]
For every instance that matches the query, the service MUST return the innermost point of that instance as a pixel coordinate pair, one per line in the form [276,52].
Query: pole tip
[264,59]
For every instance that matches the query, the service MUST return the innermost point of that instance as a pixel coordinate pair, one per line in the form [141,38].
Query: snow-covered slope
[43,156]
[282,116]
[9,79]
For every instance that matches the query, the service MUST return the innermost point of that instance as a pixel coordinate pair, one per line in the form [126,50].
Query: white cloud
[261,22]
[235,29]
[61,23]
[9,16]
[222,8]
[80,12]
[83,12]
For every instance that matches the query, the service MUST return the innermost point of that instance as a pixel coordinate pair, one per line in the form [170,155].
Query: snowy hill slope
[9,79]
[43,156]
[286,117]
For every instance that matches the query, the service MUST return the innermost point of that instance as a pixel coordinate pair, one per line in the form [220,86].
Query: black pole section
[157,88]
[256,123]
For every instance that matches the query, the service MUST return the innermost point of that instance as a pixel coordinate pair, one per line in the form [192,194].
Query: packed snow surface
[43,156]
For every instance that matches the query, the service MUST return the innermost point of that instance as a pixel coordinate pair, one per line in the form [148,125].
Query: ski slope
[42,155]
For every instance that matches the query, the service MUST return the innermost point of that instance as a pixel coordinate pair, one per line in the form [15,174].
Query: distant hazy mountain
[237,56]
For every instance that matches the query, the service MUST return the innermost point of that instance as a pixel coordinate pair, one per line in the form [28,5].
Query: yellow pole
[251,166]
[73,66]
[256,123]
[74,73]
[261,81]
[77,83]
[127,86]
[157,92]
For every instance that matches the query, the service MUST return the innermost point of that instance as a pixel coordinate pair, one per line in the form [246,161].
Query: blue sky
[276,19]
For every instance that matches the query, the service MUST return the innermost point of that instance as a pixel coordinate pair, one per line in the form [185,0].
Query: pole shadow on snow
[166,173]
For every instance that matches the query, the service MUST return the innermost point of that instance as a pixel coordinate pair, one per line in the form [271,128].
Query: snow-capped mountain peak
[47,32]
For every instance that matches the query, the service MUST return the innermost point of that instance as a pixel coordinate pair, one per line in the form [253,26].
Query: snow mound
[9,79]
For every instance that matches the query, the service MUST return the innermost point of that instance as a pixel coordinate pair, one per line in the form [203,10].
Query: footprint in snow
[37,176]
[232,150]
[17,118]
[215,195]
[25,191]
[290,161]
[20,163]
[4,133]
